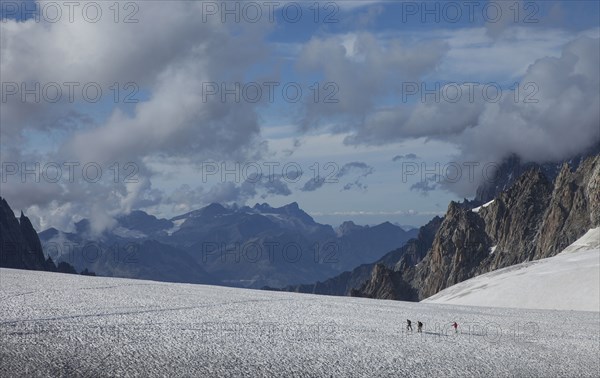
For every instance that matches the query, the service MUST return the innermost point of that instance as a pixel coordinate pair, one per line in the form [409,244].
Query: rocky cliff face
[460,245]
[20,247]
[386,283]
[533,219]
[573,209]
[512,221]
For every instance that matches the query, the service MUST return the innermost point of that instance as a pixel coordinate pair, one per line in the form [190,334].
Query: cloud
[502,14]
[410,156]
[171,53]
[169,56]
[355,185]
[360,170]
[363,168]
[363,68]
[369,17]
[276,186]
[313,184]
[425,186]
[555,115]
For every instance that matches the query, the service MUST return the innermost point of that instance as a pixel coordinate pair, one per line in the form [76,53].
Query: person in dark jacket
[408,325]
[419,326]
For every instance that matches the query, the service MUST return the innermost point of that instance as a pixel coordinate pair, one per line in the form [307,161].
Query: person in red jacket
[455,327]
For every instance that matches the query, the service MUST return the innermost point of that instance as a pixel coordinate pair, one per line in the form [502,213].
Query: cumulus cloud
[169,56]
[561,123]
[554,114]
[363,68]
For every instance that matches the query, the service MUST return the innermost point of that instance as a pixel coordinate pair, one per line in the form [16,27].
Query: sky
[368,111]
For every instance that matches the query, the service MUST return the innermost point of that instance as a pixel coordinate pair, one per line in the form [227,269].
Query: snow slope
[69,325]
[567,281]
[476,209]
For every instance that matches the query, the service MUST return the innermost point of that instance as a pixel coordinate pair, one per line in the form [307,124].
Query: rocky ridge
[534,219]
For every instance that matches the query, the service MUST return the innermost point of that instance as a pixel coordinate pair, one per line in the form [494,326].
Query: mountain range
[237,246]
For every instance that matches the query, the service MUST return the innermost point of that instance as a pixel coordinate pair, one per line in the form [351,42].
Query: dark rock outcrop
[20,246]
[386,284]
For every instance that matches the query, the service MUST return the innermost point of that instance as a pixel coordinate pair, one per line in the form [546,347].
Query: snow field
[567,281]
[53,324]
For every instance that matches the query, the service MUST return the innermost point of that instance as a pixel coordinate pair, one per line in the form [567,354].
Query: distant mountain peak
[293,205]
[262,206]
[210,210]
[215,208]
[347,227]
[292,209]
[265,206]
[215,205]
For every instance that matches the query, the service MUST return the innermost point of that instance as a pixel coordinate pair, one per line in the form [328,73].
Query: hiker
[455,327]
[408,325]
[419,326]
